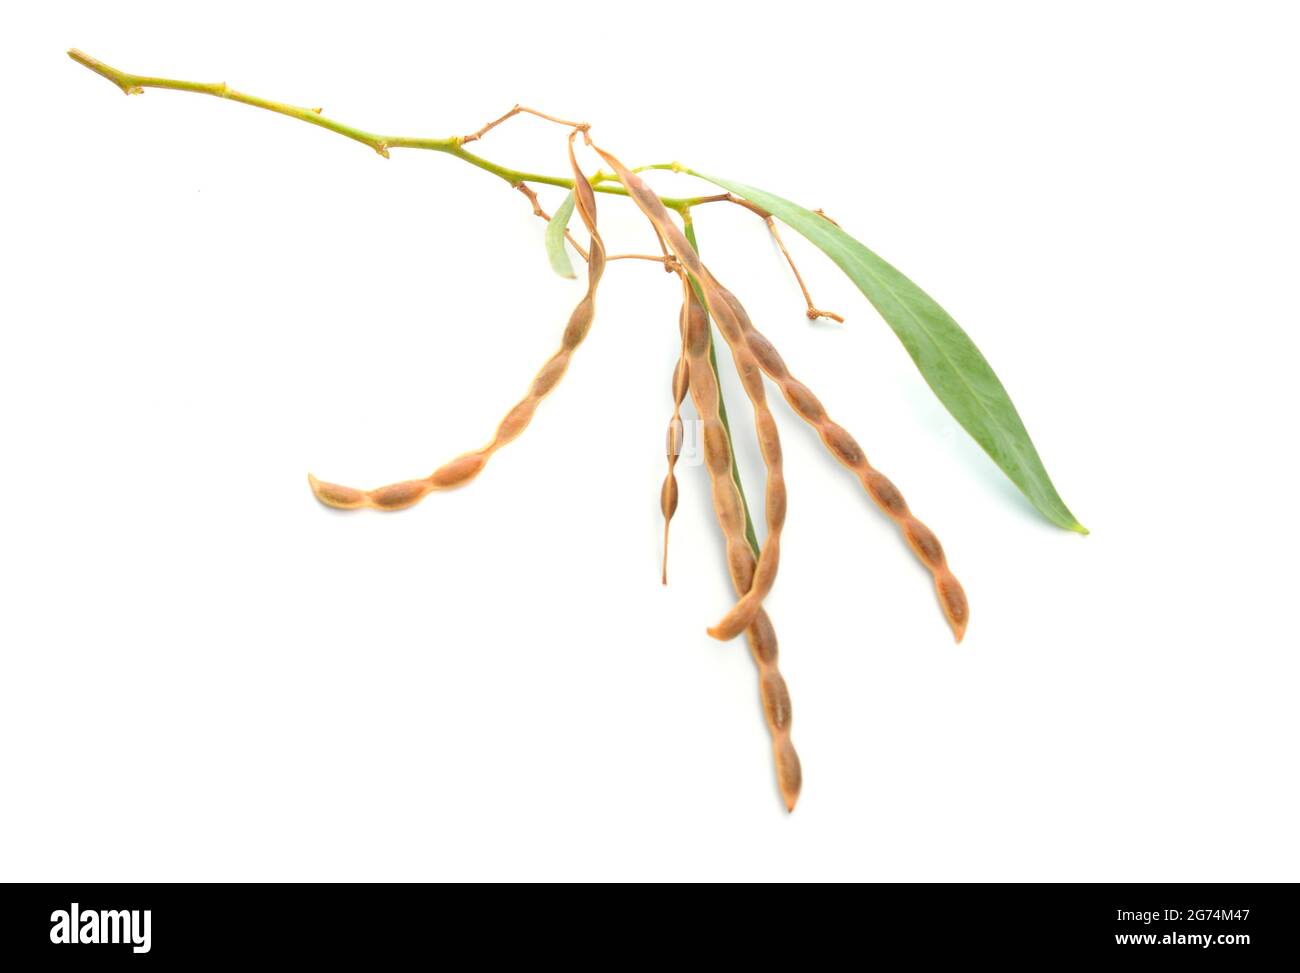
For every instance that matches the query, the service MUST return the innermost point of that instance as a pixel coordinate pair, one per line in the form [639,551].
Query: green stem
[134,84]
[750,534]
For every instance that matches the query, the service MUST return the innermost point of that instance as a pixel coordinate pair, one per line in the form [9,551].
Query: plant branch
[134,84]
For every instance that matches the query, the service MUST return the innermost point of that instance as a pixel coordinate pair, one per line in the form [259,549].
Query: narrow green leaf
[948,360]
[555,249]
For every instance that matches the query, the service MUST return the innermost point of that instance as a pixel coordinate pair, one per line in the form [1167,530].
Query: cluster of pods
[703,298]
[753,567]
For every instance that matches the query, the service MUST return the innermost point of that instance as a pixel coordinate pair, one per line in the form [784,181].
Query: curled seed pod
[668,493]
[735,325]
[740,559]
[743,612]
[464,468]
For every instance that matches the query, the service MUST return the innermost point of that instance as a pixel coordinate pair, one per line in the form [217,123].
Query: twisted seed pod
[464,468]
[769,441]
[740,559]
[775,698]
[743,612]
[732,319]
[668,493]
[952,599]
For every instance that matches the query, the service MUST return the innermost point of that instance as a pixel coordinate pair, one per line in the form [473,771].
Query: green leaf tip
[956,371]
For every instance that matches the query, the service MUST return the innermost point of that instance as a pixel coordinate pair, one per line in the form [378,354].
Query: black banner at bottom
[99,925]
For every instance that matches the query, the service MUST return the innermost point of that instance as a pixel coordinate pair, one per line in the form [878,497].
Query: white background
[206,675]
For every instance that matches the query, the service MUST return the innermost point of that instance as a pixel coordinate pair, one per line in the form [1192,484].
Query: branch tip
[104,71]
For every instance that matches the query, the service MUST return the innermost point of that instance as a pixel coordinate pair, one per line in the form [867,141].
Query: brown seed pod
[769,441]
[740,559]
[743,612]
[464,468]
[668,493]
[732,319]
[952,599]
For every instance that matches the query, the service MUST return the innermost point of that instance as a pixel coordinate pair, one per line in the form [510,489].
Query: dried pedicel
[947,358]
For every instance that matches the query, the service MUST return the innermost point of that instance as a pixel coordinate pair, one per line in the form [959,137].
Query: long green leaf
[560,262]
[948,360]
